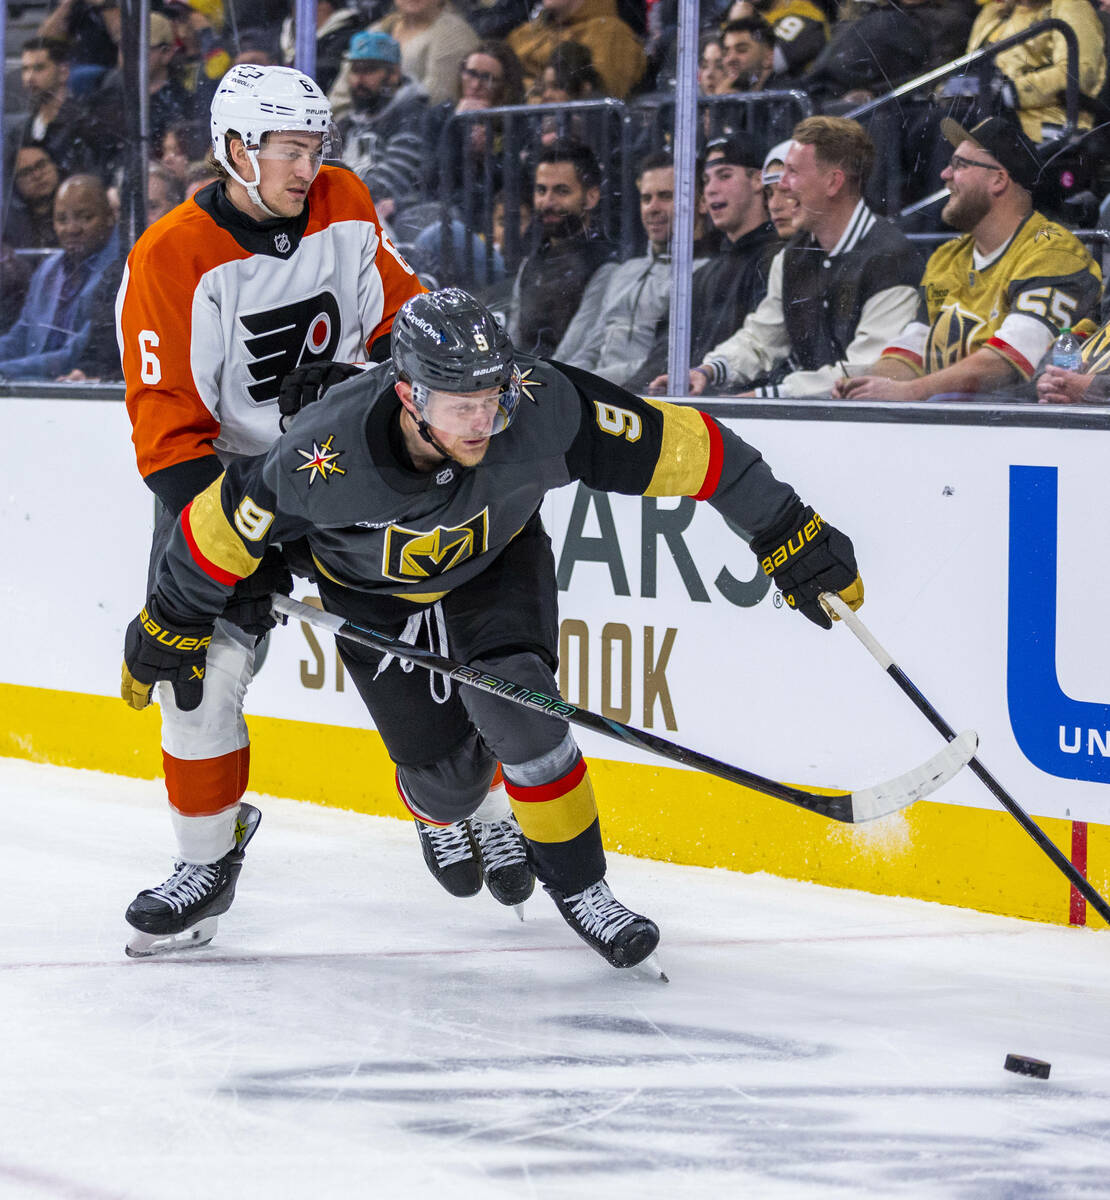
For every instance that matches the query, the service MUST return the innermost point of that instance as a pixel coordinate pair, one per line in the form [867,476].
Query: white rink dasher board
[929,506]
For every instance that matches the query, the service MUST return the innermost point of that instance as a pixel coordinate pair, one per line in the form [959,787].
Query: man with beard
[638,294]
[383,130]
[567,272]
[992,301]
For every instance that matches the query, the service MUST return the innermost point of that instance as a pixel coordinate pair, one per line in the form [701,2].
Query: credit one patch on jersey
[411,554]
[289,336]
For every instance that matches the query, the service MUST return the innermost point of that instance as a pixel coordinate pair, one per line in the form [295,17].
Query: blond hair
[838,142]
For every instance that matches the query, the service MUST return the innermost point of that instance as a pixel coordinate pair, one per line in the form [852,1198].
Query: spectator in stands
[734,280]
[618,54]
[493,20]
[1089,385]
[840,288]
[782,207]
[712,77]
[747,54]
[15,277]
[185,142]
[888,42]
[57,121]
[569,75]
[167,99]
[994,299]
[54,326]
[637,295]
[29,224]
[566,273]
[164,191]
[200,174]
[204,48]
[489,77]
[91,29]
[1034,71]
[434,39]
[335,26]
[801,30]
[383,131]
[524,220]
[258,48]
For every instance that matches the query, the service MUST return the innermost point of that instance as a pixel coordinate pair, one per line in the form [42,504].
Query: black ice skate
[452,855]
[619,935]
[182,913]
[505,860]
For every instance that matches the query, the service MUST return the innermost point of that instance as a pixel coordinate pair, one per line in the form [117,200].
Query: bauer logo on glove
[155,648]
[807,557]
[793,546]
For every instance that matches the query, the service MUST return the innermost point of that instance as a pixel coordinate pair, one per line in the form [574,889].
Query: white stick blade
[885,798]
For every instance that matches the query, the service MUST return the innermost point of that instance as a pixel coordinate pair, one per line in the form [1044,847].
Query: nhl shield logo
[281,242]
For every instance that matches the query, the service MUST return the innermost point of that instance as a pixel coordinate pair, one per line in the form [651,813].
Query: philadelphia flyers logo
[278,339]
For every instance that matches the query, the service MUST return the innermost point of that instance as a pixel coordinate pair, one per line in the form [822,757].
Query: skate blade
[148,945]
[519,910]
[651,968]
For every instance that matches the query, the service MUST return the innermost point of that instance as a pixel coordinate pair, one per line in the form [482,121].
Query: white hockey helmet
[252,101]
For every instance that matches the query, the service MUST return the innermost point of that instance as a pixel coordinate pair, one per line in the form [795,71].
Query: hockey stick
[834,604]
[850,807]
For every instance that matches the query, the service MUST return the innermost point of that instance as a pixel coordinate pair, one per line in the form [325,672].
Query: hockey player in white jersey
[281,264]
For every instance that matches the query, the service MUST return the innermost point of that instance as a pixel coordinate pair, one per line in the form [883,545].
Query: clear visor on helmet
[297,145]
[470,415]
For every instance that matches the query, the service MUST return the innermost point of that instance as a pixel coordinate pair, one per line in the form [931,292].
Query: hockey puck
[1020,1065]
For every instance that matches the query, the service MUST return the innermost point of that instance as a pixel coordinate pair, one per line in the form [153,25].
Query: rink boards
[979,533]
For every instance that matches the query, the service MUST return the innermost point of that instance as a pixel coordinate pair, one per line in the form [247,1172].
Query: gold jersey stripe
[684,454]
[215,536]
[560,819]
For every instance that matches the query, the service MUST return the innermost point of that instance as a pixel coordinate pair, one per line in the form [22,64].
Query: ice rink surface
[353,1031]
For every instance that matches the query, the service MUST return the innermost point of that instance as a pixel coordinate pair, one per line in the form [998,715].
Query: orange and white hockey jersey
[214,310]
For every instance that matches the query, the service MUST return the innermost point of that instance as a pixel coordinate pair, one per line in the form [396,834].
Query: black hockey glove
[807,557]
[249,605]
[155,649]
[305,385]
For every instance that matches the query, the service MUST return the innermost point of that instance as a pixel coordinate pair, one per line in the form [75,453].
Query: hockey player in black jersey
[420,481]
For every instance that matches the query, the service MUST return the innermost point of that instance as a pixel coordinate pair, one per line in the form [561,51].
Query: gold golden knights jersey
[215,309]
[1013,302]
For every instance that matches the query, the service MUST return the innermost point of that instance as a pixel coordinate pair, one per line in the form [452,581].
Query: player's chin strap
[252,188]
[425,431]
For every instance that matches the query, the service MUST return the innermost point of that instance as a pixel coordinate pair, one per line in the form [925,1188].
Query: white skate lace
[501,843]
[449,843]
[599,912]
[189,883]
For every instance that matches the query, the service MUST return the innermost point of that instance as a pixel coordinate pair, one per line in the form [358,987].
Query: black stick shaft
[1093,898]
[837,807]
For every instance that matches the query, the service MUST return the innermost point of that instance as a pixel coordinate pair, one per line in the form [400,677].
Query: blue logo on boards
[1063,737]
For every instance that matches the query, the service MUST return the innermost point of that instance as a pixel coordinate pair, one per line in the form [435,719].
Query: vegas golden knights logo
[1096,351]
[951,336]
[412,554]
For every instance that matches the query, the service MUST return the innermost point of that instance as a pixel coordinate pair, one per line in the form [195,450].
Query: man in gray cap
[993,300]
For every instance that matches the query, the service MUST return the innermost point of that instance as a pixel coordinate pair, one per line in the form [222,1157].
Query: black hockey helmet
[448,341]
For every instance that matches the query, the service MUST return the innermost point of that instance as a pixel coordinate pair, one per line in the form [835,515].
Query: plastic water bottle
[1066,350]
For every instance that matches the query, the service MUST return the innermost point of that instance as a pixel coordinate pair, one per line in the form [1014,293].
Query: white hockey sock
[204,839]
